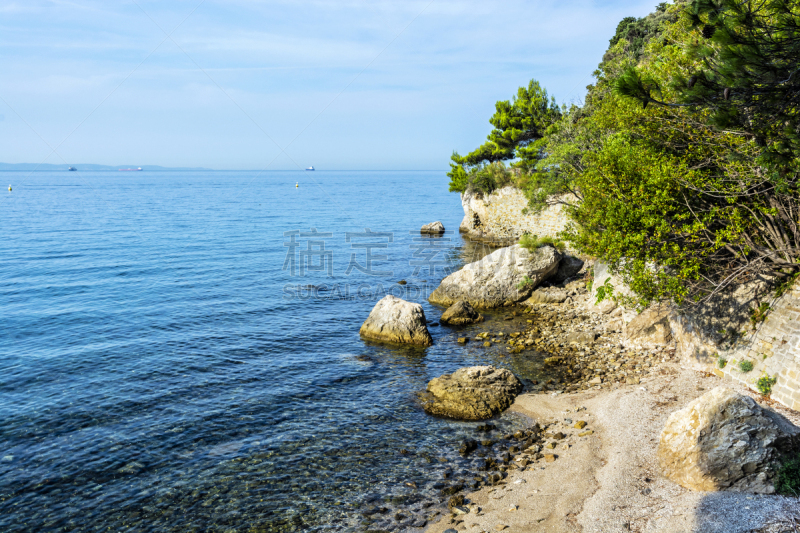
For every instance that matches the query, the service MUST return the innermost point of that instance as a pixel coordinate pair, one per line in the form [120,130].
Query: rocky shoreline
[588,351]
[581,348]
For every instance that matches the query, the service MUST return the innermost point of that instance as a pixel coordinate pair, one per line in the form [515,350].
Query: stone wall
[774,350]
[498,217]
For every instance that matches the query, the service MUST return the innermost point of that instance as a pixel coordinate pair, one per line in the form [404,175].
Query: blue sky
[251,84]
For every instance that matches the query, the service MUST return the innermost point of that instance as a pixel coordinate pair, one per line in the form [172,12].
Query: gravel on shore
[604,475]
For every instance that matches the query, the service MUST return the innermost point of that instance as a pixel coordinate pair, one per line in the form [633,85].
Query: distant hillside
[50,167]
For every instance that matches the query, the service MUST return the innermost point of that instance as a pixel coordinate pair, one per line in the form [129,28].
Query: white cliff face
[499,217]
[494,281]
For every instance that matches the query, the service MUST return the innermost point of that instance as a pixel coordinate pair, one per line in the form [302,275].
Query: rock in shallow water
[724,440]
[434,228]
[396,320]
[472,393]
[460,314]
[494,281]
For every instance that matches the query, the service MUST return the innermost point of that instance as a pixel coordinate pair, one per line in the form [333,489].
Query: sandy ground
[609,481]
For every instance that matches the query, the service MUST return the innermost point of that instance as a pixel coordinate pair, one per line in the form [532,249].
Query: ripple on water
[154,378]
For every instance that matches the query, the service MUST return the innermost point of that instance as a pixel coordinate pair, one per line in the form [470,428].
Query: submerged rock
[724,440]
[398,321]
[461,313]
[472,393]
[496,280]
[434,228]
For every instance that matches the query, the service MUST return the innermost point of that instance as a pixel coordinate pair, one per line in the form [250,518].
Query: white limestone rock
[494,281]
[724,440]
[398,321]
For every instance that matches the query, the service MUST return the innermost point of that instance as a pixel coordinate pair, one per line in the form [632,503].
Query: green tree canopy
[746,73]
[518,125]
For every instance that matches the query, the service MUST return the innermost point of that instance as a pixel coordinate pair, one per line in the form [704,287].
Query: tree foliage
[746,73]
[729,97]
[682,167]
[518,125]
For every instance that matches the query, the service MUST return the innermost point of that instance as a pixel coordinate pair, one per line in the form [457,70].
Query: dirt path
[608,481]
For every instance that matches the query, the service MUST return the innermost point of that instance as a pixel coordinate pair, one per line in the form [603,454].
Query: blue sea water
[180,350]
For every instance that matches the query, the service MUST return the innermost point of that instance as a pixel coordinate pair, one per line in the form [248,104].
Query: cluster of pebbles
[583,348]
[533,448]
[484,459]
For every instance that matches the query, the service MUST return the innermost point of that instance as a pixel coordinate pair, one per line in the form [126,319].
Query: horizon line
[190,169]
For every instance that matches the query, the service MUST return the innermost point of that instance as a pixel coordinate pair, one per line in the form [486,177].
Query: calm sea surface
[164,365]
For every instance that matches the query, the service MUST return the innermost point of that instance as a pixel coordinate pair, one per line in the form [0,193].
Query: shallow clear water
[160,370]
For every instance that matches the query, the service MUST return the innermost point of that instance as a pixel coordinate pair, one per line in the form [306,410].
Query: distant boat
[72,169]
[310,168]
[130,169]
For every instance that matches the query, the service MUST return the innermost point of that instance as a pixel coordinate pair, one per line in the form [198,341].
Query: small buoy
[296,185]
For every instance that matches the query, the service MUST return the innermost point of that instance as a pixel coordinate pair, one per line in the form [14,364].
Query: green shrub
[745,365]
[604,291]
[532,242]
[758,314]
[785,285]
[765,383]
[721,362]
[788,478]
[526,283]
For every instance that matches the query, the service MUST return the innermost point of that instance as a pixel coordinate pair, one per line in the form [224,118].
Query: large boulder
[649,329]
[460,314]
[398,321]
[567,267]
[724,440]
[495,280]
[434,228]
[472,393]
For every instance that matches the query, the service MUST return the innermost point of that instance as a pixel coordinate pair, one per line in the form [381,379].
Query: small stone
[500,527]
[549,457]
[460,510]
[596,381]
[632,381]
[462,340]
[513,508]
[487,344]
[586,433]
[402,282]
[550,445]
[580,424]
[451,530]
[559,436]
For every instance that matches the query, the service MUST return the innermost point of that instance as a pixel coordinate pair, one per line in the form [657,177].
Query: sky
[271,85]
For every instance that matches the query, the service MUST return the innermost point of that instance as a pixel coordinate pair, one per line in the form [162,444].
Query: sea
[180,351]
